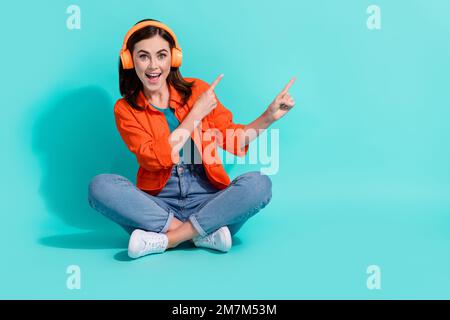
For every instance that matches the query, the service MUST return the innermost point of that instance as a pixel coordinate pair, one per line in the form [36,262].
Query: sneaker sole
[228,241]
[134,254]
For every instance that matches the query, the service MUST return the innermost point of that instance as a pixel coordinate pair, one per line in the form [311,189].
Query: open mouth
[153,77]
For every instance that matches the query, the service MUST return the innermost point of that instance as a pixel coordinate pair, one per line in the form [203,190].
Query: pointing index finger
[215,82]
[288,86]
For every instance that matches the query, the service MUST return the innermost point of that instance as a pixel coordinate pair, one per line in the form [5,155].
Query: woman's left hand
[281,105]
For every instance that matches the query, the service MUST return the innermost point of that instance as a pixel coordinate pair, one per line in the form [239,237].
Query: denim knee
[256,182]
[101,183]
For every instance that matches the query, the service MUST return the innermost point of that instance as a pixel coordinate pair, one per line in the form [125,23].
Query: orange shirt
[146,134]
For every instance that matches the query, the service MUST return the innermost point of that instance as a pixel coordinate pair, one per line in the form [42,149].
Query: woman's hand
[281,105]
[207,101]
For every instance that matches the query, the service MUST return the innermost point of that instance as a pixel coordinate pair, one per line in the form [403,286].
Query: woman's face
[152,59]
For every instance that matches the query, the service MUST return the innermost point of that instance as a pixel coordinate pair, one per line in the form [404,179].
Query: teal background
[364,159]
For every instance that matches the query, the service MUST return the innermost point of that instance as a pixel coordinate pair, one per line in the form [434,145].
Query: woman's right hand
[207,101]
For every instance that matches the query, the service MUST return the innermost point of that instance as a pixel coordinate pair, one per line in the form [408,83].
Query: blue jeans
[188,195]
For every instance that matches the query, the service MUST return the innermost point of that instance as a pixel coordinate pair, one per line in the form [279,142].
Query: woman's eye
[143,56]
[162,56]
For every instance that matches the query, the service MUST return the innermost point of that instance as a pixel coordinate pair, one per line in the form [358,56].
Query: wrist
[267,118]
[196,113]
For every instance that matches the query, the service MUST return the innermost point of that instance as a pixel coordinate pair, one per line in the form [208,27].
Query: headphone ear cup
[177,57]
[127,59]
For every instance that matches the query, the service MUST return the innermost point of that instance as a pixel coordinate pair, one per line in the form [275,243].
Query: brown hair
[129,83]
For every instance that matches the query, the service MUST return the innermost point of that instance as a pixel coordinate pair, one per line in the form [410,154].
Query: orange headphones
[125,54]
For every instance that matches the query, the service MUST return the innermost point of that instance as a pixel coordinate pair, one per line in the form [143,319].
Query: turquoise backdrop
[364,156]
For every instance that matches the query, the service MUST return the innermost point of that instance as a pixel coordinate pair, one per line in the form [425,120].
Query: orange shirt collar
[173,94]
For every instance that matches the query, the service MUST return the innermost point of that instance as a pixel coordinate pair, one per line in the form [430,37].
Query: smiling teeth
[153,74]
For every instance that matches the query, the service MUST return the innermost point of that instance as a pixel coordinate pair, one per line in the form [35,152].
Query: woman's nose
[152,64]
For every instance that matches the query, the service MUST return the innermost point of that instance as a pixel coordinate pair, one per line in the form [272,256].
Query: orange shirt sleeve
[222,119]
[151,153]
[232,133]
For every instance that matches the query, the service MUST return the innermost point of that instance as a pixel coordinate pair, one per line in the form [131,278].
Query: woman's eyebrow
[149,52]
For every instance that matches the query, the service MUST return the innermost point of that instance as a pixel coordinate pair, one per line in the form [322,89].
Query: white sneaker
[145,242]
[218,240]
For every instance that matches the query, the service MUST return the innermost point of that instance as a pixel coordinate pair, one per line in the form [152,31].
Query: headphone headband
[144,24]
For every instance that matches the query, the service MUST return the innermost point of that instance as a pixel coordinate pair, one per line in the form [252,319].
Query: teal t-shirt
[173,123]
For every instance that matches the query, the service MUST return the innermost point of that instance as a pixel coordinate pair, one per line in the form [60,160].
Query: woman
[170,123]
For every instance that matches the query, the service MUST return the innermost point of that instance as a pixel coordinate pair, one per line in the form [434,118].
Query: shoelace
[152,245]
[210,239]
